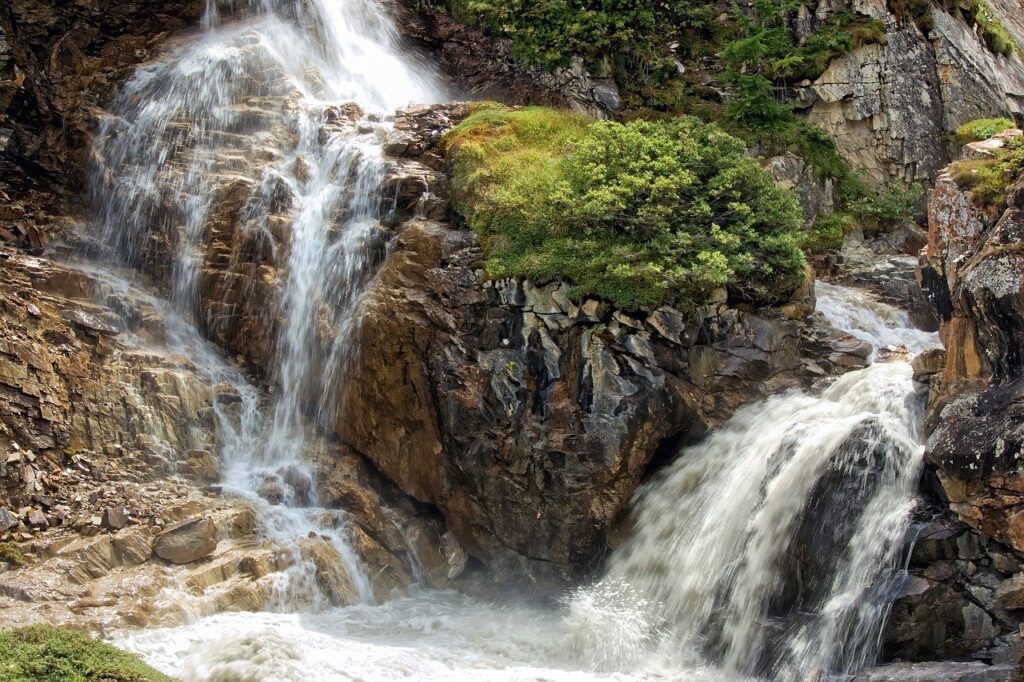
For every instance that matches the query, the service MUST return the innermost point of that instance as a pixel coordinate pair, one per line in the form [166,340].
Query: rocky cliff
[888,105]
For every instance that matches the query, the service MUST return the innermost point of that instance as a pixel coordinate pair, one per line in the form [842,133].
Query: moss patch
[11,554]
[640,214]
[981,129]
[42,653]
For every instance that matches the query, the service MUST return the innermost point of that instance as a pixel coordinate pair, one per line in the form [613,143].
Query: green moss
[640,213]
[981,129]
[989,180]
[11,554]
[992,30]
[42,653]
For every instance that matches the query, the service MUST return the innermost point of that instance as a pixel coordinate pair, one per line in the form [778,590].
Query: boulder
[115,518]
[8,520]
[187,541]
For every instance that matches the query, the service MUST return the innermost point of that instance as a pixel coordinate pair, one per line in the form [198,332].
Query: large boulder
[530,419]
[187,541]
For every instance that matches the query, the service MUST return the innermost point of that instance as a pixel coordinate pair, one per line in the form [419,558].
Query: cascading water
[294,98]
[772,547]
[767,549]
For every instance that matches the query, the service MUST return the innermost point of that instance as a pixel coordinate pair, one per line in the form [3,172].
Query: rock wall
[964,598]
[59,63]
[889,105]
[108,473]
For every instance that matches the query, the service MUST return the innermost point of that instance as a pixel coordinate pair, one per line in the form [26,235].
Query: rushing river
[705,588]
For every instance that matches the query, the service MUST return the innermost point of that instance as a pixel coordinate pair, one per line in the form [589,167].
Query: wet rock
[187,541]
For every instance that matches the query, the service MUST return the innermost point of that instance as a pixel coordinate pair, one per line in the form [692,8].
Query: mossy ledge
[43,653]
[641,213]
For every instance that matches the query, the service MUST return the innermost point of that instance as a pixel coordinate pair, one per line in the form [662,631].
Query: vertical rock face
[973,272]
[58,63]
[888,106]
[528,419]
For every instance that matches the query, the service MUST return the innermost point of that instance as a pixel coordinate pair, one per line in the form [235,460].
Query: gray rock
[945,671]
[7,520]
[115,518]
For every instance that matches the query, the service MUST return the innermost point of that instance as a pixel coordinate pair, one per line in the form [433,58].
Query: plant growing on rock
[641,213]
[43,653]
[989,180]
[981,129]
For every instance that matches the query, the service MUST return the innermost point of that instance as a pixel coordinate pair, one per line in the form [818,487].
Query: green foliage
[981,129]
[11,554]
[992,30]
[641,213]
[876,211]
[42,653]
[828,232]
[989,180]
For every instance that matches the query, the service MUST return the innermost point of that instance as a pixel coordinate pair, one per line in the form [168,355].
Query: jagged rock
[187,541]
[115,518]
[7,520]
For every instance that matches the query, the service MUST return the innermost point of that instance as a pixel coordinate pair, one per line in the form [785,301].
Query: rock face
[107,438]
[486,68]
[973,271]
[888,106]
[58,62]
[964,598]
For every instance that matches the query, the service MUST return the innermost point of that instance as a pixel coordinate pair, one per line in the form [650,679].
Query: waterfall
[769,549]
[772,548]
[288,105]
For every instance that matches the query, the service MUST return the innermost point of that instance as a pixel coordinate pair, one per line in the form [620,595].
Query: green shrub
[989,180]
[42,653]
[640,213]
[876,211]
[828,232]
[981,129]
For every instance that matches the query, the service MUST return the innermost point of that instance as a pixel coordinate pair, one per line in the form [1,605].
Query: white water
[258,101]
[700,593]
[770,548]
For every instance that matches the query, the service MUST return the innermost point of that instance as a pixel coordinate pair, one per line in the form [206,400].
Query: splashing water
[282,114]
[771,548]
[766,550]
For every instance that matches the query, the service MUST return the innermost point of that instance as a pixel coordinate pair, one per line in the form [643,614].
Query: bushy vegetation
[42,653]
[828,232]
[981,129]
[989,180]
[638,213]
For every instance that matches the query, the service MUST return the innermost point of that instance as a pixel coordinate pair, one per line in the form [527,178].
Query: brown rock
[187,541]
